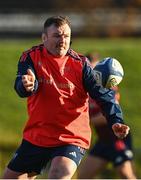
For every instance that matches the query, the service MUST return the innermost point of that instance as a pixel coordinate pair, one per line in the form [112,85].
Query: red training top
[58,111]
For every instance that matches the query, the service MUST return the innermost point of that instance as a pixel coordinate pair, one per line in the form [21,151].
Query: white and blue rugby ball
[108,72]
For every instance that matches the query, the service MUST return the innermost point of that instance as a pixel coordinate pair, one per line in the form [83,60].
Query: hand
[28,80]
[120,130]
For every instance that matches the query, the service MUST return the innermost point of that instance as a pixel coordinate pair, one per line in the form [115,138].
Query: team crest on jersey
[39,63]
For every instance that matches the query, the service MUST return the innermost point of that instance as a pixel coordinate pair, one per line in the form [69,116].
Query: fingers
[120,127]
[121,135]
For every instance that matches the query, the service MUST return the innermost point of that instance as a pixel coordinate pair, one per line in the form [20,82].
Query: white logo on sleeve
[73,154]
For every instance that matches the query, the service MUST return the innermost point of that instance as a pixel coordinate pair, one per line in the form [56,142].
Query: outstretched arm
[105,98]
[26,82]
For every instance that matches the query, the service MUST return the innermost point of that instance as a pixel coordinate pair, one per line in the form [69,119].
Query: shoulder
[76,56]
[31,51]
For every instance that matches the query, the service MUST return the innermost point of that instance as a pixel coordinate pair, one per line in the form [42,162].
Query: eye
[61,36]
[67,36]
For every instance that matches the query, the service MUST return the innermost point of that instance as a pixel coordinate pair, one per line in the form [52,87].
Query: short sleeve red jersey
[58,111]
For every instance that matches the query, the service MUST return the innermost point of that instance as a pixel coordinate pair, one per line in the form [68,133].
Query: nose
[62,38]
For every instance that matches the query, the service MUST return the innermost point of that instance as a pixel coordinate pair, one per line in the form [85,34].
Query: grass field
[13,109]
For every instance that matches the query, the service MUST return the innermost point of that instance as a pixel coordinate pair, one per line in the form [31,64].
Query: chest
[63,74]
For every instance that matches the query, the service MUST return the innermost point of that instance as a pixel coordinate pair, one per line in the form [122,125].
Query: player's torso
[60,98]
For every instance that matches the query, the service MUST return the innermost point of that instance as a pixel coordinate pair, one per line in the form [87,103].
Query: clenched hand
[28,80]
[120,130]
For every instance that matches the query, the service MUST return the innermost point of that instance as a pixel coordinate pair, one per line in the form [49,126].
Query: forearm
[113,113]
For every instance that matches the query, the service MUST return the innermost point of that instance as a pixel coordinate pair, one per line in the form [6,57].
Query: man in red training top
[57,81]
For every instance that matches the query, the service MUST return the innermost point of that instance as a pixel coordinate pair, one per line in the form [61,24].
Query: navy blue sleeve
[23,65]
[104,97]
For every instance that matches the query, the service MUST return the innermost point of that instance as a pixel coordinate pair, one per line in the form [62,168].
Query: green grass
[13,109]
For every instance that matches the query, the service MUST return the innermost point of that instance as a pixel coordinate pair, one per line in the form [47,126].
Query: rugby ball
[108,72]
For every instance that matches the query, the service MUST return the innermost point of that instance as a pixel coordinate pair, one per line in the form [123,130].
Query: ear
[44,37]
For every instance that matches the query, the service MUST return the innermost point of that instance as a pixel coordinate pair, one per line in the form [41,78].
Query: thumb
[31,75]
[30,72]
